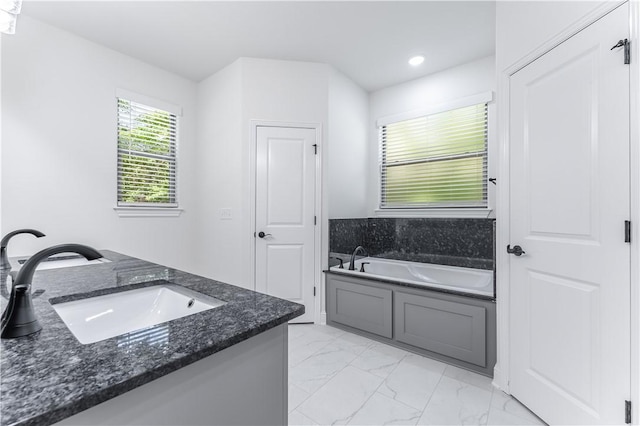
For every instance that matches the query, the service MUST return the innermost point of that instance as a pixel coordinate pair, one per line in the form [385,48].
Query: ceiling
[369,41]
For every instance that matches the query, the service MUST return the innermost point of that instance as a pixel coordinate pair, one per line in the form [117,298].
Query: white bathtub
[450,278]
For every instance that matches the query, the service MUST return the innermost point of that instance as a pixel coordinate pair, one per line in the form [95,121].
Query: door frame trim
[502,368]
[317,269]
[634,158]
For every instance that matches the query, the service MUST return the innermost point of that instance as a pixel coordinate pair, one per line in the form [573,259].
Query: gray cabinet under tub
[360,306]
[454,328]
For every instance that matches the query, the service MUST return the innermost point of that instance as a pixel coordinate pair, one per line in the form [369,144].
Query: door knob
[262,234]
[517,250]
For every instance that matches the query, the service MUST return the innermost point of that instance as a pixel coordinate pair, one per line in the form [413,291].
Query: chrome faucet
[353,256]
[4,259]
[19,319]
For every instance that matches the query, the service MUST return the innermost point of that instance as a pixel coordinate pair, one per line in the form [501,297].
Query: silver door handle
[262,234]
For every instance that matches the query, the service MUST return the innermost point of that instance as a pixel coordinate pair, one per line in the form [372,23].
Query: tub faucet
[353,256]
[19,319]
[4,259]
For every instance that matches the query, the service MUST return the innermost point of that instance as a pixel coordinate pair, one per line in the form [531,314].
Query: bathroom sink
[98,318]
[55,262]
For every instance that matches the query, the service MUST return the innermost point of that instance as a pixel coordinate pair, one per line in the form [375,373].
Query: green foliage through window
[146,155]
[438,160]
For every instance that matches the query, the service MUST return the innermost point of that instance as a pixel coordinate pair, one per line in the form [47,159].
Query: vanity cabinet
[244,384]
[453,328]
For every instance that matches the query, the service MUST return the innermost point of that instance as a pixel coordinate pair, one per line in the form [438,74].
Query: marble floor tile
[425,363]
[382,410]
[314,333]
[413,381]
[506,410]
[296,418]
[296,396]
[296,330]
[503,418]
[327,329]
[299,352]
[309,339]
[317,369]
[457,403]
[341,397]
[379,359]
[352,343]
[470,377]
[336,377]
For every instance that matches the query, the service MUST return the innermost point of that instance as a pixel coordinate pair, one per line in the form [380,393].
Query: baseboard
[499,380]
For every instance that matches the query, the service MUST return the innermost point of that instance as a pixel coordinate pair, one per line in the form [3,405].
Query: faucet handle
[339,260]
[362,266]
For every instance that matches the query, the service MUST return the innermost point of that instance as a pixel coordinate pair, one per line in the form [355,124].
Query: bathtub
[439,277]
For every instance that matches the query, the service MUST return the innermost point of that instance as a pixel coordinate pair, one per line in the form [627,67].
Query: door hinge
[314,291]
[627,49]
[627,412]
[627,231]
[315,220]
[315,148]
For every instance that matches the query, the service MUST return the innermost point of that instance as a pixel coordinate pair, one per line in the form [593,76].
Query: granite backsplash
[455,242]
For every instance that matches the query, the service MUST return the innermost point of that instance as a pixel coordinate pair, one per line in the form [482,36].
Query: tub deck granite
[50,376]
[334,270]
[448,279]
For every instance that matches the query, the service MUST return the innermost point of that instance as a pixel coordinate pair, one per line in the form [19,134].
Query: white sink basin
[97,318]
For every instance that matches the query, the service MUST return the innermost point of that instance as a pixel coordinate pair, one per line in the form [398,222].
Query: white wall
[522,26]
[59,151]
[347,156]
[279,91]
[59,146]
[249,89]
[439,88]
[218,170]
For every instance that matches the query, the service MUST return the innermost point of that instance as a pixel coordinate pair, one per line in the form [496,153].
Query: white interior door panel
[569,198]
[285,212]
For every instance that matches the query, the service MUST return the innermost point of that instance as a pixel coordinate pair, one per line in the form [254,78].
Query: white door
[285,215]
[569,303]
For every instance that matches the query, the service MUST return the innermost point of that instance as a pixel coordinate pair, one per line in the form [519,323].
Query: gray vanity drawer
[360,306]
[453,329]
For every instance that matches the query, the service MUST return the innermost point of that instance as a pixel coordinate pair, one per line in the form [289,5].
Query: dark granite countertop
[49,376]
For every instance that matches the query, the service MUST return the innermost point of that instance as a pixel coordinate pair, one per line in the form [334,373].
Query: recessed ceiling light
[416,60]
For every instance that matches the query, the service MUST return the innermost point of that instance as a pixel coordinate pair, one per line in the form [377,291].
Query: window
[146,155]
[437,160]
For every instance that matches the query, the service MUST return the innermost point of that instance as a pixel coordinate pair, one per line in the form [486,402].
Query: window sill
[444,213]
[148,211]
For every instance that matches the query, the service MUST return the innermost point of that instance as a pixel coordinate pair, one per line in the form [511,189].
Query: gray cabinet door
[448,328]
[360,306]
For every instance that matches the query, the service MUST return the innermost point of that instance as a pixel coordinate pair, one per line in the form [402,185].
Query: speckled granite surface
[49,376]
[455,242]
[381,279]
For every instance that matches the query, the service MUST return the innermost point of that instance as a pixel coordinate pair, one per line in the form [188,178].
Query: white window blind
[437,160]
[146,155]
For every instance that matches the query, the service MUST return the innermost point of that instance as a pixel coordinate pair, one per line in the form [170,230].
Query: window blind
[437,160]
[146,155]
